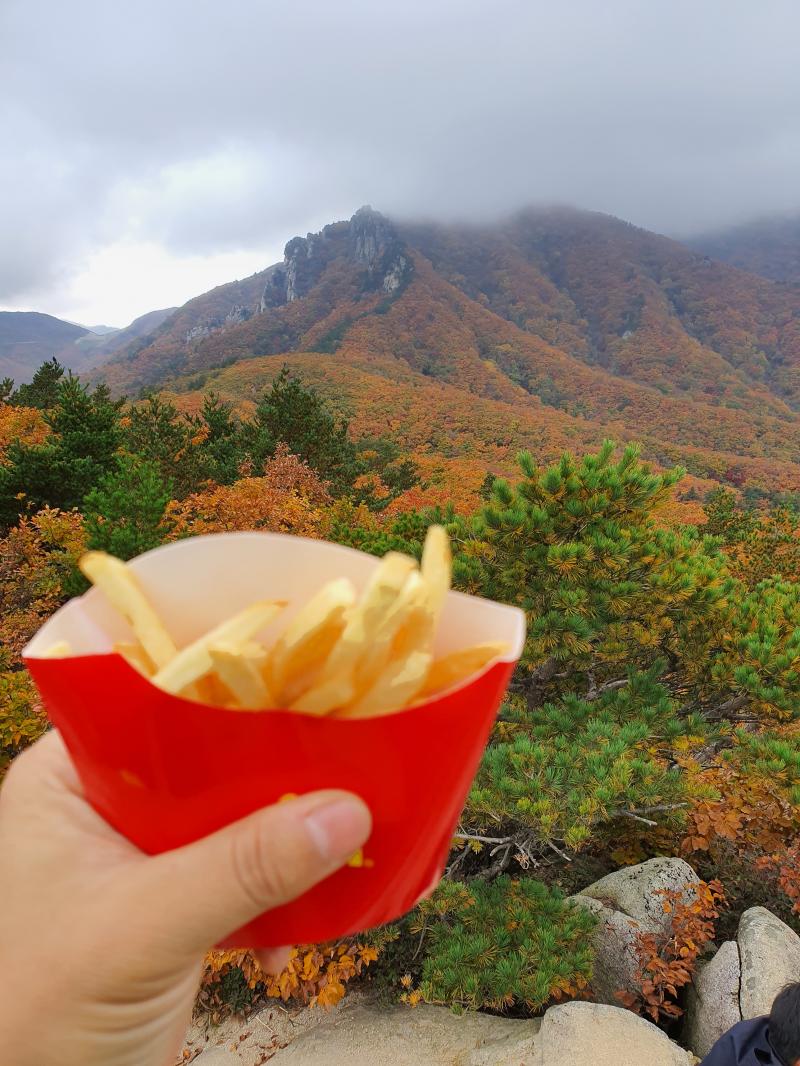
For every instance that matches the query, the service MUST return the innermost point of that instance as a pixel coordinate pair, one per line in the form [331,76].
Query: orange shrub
[288,498]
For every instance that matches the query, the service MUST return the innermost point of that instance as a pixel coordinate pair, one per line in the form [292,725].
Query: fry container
[165,771]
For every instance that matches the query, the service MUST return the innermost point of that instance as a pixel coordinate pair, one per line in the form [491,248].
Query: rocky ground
[739,980]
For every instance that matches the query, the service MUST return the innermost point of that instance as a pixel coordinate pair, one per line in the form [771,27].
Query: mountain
[93,348]
[27,338]
[770,247]
[103,329]
[553,326]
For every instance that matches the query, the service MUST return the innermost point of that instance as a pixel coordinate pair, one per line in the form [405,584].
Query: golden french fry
[301,650]
[62,649]
[210,689]
[194,661]
[436,568]
[326,696]
[409,604]
[137,657]
[459,665]
[240,670]
[119,585]
[367,616]
[397,685]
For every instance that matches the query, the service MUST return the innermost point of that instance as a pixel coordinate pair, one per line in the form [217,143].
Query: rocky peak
[369,240]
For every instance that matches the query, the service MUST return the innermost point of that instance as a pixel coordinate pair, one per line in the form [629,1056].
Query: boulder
[634,890]
[616,960]
[712,1004]
[365,1034]
[626,903]
[369,1035]
[770,958]
[595,1034]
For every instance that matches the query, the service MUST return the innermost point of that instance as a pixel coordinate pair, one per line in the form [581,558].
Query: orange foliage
[442,482]
[315,974]
[667,962]
[35,558]
[288,498]
[752,814]
[23,424]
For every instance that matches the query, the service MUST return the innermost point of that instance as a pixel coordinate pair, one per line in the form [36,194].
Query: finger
[273,960]
[201,893]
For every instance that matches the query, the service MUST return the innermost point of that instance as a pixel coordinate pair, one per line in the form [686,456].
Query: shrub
[668,960]
[502,944]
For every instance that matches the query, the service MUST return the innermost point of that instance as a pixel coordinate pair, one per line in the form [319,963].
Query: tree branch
[538,680]
[596,690]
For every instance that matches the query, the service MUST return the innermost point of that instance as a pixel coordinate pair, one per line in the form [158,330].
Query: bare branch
[598,690]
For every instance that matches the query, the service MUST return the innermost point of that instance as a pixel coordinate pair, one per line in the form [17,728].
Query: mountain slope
[93,348]
[611,329]
[27,338]
[769,246]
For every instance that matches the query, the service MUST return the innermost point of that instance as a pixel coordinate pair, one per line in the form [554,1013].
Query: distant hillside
[27,338]
[577,323]
[770,247]
[93,348]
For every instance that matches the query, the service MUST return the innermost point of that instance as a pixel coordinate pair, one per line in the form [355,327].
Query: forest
[656,710]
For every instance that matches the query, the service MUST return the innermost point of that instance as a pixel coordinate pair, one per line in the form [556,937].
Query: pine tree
[295,414]
[578,547]
[125,512]
[563,769]
[502,944]
[82,445]
[223,446]
[42,392]
[158,432]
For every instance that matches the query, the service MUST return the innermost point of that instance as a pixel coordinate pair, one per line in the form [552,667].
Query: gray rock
[712,1004]
[218,1057]
[634,890]
[596,1035]
[368,1035]
[770,959]
[616,962]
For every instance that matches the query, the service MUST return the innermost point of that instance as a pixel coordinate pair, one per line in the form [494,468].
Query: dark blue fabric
[747,1044]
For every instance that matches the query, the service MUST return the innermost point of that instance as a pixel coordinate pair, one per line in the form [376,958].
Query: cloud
[222,130]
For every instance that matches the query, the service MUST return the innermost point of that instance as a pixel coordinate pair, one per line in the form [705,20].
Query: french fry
[122,590]
[436,568]
[137,657]
[338,655]
[62,649]
[367,616]
[459,665]
[409,603]
[240,670]
[396,686]
[335,685]
[194,661]
[301,650]
[325,696]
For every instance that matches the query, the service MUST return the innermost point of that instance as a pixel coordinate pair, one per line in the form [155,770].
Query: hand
[100,945]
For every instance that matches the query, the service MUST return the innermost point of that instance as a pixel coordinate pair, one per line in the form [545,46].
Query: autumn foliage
[668,960]
[315,975]
[656,709]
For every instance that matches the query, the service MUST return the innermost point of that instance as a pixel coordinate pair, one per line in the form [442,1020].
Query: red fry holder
[165,771]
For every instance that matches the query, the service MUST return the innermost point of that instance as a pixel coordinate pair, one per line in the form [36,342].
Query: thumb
[201,893]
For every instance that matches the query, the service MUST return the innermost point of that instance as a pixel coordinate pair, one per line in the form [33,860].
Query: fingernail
[339,828]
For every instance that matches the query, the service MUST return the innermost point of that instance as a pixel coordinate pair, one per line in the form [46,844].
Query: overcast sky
[155,149]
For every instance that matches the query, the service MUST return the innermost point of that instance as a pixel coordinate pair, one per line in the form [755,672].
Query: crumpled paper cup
[165,771]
